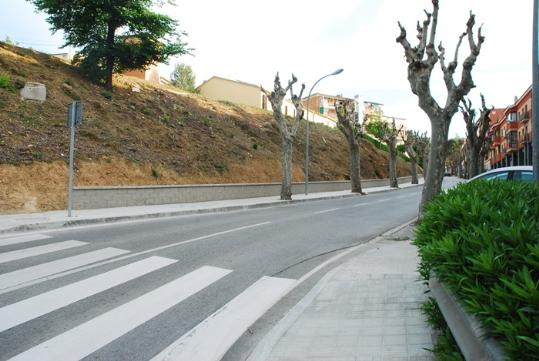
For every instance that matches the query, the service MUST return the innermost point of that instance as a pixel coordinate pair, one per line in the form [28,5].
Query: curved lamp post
[338,71]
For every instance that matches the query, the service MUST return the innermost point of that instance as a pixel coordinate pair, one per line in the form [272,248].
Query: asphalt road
[60,301]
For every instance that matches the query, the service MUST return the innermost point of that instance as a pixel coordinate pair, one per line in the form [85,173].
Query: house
[240,92]
[150,74]
[511,134]
[323,104]
[322,110]
[235,91]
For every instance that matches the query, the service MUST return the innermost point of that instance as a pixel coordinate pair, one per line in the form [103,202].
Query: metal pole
[71,154]
[535,93]
[306,170]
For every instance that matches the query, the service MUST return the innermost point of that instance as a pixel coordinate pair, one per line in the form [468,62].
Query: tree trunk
[355,179]
[110,58]
[413,169]
[426,161]
[286,185]
[393,182]
[436,164]
[473,162]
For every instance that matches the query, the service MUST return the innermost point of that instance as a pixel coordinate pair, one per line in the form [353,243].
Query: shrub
[482,241]
[382,146]
[155,171]
[446,348]
[107,94]
[5,82]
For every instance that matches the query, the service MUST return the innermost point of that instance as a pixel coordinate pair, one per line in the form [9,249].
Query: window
[523,175]
[495,176]
[512,139]
[511,117]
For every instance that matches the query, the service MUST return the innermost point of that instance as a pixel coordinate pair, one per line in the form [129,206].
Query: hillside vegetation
[158,135]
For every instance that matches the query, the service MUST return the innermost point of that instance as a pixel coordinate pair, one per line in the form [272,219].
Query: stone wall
[106,197]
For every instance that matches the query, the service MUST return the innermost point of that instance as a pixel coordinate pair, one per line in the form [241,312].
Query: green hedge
[382,146]
[482,240]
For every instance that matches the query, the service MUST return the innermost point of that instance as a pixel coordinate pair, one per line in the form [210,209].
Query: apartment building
[511,134]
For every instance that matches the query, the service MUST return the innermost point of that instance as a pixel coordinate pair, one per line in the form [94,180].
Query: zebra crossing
[207,341]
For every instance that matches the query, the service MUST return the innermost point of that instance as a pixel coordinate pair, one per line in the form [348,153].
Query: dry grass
[184,137]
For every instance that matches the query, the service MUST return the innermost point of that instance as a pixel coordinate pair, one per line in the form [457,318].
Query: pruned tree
[415,144]
[388,133]
[276,98]
[353,131]
[476,133]
[421,60]
[114,36]
[484,152]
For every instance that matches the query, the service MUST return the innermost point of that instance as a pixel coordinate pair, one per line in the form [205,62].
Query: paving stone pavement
[367,309]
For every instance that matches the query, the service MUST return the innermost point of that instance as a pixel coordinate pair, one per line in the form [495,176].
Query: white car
[516,173]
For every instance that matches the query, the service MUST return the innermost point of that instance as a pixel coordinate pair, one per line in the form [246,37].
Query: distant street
[127,291]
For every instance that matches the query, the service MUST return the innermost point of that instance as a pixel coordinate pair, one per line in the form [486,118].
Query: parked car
[516,173]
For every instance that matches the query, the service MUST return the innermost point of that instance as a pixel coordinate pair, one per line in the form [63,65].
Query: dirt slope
[156,136]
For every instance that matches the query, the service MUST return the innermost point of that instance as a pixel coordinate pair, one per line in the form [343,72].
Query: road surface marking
[84,268]
[39,250]
[24,275]
[90,336]
[211,338]
[360,205]
[30,308]
[327,210]
[23,239]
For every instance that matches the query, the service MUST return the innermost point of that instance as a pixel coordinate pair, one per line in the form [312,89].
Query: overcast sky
[252,40]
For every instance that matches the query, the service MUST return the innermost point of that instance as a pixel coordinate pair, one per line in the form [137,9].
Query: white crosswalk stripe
[23,239]
[39,305]
[90,336]
[210,340]
[28,274]
[39,250]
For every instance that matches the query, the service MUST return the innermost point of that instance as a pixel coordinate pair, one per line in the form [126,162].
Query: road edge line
[265,346]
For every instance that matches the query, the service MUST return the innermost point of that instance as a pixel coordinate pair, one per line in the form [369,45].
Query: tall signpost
[535,93]
[74,120]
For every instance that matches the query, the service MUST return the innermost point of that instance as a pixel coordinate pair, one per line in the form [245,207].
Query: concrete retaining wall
[472,340]
[107,197]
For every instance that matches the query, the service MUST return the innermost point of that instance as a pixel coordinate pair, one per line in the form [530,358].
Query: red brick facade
[511,134]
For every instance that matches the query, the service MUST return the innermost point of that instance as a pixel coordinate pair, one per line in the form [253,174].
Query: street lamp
[338,71]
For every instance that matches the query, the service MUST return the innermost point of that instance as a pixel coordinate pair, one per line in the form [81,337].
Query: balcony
[512,140]
[524,116]
[512,146]
[497,158]
[497,140]
[512,125]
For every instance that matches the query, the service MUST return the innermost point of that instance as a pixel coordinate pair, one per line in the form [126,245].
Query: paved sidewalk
[57,219]
[366,309]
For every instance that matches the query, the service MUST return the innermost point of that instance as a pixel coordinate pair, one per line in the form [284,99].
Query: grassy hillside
[156,136]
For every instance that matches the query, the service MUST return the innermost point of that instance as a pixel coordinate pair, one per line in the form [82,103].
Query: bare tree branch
[296,100]
[421,61]
[434,26]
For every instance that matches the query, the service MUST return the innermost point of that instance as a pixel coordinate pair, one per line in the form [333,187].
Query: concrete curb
[466,329]
[263,349]
[112,219]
